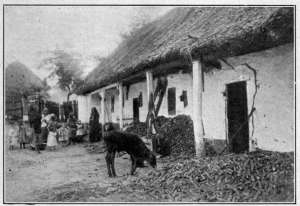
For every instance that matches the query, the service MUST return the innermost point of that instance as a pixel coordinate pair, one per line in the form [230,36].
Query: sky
[32,32]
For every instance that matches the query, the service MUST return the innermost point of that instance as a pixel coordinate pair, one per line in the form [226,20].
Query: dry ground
[70,174]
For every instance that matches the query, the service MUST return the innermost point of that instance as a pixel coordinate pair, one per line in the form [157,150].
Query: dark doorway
[237,114]
[136,114]
[172,101]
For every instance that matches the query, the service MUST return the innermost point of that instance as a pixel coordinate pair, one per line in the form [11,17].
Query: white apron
[51,141]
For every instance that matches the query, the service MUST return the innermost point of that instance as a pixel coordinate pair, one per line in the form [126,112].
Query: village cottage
[231,69]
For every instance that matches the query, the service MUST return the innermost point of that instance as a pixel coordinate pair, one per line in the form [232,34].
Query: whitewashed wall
[112,116]
[180,81]
[273,118]
[83,114]
[134,92]
[274,103]
[82,107]
[85,104]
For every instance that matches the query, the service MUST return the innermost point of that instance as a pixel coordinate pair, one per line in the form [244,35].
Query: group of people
[53,133]
[40,130]
[16,134]
[43,129]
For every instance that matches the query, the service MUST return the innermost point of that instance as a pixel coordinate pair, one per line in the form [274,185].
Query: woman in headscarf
[95,128]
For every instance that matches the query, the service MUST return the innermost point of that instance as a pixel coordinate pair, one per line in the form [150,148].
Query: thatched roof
[194,32]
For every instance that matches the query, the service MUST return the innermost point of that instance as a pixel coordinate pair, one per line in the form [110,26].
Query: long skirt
[22,136]
[95,132]
[71,133]
[44,134]
[51,141]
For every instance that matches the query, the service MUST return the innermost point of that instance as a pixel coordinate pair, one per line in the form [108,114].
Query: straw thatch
[194,32]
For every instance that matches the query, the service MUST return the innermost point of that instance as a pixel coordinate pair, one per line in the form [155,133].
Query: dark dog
[119,141]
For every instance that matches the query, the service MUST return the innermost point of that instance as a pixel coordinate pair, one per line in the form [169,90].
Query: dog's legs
[113,163]
[108,163]
[133,164]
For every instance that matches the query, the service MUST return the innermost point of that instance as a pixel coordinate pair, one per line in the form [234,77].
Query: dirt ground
[72,174]
[68,170]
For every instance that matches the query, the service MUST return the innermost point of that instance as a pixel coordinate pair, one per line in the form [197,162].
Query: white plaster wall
[83,109]
[181,82]
[274,103]
[83,106]
[109,115]
[134,92]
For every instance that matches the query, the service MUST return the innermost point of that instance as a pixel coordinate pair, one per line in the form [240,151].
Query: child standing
[63,134]
[22,135]
[52,135]
[13,133]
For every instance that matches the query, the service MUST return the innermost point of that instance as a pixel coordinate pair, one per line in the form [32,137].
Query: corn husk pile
[254,177]
[177,133]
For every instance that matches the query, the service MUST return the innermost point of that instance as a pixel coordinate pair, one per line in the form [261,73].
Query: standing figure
[95,128]
[52,134]
[81,132]
[22,135]
[35,122]
[44,124]
[63,137]
[12,134]
[72,127]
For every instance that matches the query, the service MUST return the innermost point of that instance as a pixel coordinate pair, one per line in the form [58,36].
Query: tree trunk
[68,96]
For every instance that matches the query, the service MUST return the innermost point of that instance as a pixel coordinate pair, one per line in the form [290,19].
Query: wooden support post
[150,101]
[149,77]
[197,108]
[102,94]
[121,105]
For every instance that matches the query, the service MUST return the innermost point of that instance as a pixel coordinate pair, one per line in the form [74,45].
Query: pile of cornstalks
[177,133]
[254,177]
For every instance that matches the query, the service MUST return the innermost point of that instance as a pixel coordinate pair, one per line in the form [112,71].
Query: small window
[172,101]
[112,103]
[141,99]
[183,98]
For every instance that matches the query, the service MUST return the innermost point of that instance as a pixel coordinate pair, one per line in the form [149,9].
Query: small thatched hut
[230,68]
